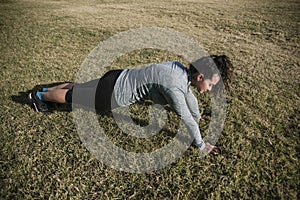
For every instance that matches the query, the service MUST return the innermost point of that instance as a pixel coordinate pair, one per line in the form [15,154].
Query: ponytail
[225,68]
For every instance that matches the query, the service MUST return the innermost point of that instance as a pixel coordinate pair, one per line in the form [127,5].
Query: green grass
[42,157]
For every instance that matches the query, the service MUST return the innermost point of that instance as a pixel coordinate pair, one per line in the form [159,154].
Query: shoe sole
[33,103]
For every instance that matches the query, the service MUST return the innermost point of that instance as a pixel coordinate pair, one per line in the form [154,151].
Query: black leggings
[102,89]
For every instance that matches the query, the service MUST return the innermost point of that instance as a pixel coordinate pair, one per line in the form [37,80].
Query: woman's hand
[212,149]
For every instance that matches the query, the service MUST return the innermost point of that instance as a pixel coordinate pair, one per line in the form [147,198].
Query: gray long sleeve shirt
[163,83]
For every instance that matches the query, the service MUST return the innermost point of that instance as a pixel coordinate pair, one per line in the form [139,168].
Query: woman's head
[206,72]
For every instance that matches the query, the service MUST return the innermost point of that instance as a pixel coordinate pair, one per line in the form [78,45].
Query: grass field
[42,157]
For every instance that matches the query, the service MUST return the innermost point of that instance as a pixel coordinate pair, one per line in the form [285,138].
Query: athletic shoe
[38,105]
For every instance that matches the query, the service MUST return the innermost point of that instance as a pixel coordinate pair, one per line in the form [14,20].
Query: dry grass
[43,42]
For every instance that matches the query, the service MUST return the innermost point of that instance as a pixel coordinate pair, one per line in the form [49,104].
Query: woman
[163,83]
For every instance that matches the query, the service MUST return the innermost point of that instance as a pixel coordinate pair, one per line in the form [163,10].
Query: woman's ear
[199,77]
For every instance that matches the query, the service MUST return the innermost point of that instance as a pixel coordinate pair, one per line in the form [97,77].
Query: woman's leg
[62,86]
[100,89]
[55,95]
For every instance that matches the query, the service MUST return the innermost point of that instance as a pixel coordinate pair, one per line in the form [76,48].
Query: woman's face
[204,85]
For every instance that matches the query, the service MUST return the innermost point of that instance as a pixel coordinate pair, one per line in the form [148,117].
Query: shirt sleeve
[192,103]
[177,100]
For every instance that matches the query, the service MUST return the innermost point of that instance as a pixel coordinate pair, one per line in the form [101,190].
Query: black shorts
[96,94]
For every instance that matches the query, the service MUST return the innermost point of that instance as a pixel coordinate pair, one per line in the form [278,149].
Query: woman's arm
[177,101]
[192,103]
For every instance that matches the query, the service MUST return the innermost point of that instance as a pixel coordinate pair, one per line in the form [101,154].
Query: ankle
[40,96]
